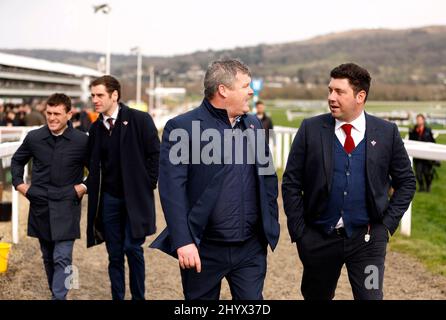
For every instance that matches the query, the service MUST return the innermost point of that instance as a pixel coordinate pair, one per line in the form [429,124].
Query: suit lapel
[123,122]
[327,138]
[371,138]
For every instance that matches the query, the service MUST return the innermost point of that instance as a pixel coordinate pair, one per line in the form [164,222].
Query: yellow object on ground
[4,253]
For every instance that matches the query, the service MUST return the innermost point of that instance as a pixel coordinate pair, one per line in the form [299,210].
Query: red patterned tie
[349,144]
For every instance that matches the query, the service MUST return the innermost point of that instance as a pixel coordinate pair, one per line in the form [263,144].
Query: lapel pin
[373,142]
[251,126]
[125,123]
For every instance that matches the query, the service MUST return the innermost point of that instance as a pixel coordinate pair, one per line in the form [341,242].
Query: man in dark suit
[123,172]
[336,190]
[221,213]
[58,153]
[424,171]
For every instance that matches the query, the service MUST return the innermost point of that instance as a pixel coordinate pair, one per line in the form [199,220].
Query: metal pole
[406,220]
[152,88]
[15,216]
[138,77]
[105,9]
[108,54]
[158,96]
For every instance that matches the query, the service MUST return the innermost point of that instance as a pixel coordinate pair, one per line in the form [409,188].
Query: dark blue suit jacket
[189,192]
[308,176]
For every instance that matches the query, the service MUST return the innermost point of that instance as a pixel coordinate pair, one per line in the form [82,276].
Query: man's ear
[115,96]
[360,97]
[222,90]
[70,114]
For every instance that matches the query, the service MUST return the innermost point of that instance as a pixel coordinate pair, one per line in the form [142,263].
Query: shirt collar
[236,121]
[59,134]
[358,124]
[63,133]
[114,116]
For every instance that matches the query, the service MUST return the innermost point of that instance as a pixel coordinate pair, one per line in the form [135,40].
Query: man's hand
[23,188]
[188,257]
[80,190]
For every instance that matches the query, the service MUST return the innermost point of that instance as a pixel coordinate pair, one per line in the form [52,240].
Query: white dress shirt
[358,130]
[114,116]
[357,133]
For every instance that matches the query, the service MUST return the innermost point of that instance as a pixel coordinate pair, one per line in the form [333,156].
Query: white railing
[9,134]
[15,136]
[280,145]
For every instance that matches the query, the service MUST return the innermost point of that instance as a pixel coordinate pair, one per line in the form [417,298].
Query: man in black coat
[58,153]
[336,190]
[423,168]
[123,172]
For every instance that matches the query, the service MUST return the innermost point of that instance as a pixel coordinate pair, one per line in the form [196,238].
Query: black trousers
[242,264]
[324,255]
[120,243]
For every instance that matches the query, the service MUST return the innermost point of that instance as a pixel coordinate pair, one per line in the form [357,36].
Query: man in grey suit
[336,190]
[58,153]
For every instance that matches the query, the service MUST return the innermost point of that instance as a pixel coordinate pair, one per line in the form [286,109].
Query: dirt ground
[405,277]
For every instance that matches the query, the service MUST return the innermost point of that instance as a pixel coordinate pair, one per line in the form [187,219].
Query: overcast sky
[167,27]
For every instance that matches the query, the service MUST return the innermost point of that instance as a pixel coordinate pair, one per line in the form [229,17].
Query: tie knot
[110,122]
[347,129]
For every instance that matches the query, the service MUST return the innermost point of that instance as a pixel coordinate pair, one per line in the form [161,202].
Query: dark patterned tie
[111,124]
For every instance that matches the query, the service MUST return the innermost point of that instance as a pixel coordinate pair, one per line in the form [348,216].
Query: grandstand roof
[45,65]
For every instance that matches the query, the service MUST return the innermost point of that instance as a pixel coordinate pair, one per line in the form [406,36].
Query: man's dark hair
[59,99]
[110,83]
[259,102]
[358,77]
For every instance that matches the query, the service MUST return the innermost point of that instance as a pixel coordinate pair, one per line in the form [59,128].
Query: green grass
[277,109]
[428,235]
[280,119]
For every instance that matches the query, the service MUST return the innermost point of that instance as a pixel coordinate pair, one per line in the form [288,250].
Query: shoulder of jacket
[380,121]
[80,134]
[38,133]
[184,120]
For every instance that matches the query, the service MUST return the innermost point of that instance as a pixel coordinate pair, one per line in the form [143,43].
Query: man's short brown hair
[59,99]
[110,83]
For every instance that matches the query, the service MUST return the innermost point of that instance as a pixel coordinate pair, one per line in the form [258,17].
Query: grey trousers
[57,258]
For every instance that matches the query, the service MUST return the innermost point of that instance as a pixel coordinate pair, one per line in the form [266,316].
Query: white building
[28,78]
